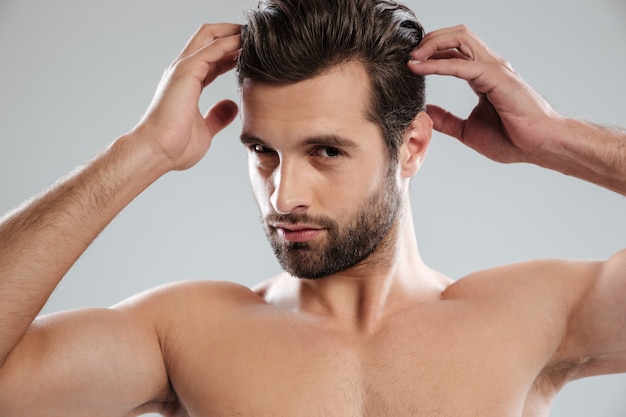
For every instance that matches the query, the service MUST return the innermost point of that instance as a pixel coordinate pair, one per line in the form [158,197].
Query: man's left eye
[328,152]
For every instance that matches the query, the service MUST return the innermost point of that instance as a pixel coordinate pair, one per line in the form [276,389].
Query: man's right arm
[43,238]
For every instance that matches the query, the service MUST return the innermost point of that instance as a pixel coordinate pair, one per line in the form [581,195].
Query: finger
[448,54]
[225,64]
[459,68]
[206,34]
[459,38]
[211,60]
[445,122]
[217,50]
[220,115]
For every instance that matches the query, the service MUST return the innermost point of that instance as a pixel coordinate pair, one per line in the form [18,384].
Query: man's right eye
[260,149]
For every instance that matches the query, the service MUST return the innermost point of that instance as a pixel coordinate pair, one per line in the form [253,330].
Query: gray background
[75,74]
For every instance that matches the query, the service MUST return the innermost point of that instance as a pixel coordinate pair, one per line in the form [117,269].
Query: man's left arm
[595,341]
[590,152]
[512,123]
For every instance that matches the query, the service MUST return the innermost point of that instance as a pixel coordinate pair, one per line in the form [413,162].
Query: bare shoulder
[557,280]
[190,297]
[537,299]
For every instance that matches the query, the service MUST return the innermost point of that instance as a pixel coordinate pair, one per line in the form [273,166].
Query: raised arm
[100,362]
[511,122]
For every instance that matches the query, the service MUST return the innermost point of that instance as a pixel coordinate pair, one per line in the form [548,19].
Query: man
[358,324]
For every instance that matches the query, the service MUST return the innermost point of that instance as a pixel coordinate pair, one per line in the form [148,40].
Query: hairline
[369,111]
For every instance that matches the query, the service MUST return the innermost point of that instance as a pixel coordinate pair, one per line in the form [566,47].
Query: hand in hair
[511,122]
[173,122]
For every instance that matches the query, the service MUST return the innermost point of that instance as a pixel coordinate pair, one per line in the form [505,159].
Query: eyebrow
[247,139]
[318,140]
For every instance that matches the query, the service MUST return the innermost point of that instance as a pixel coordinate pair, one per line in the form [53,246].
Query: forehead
[335,102]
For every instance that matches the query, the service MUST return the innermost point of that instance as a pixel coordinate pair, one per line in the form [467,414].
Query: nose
[291,192]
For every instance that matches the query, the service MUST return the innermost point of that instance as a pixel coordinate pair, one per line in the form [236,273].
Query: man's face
[320,171]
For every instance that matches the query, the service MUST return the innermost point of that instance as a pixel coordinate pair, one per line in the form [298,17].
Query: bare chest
[292,369]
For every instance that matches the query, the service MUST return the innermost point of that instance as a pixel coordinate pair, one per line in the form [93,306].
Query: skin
[301,147]
[388,337]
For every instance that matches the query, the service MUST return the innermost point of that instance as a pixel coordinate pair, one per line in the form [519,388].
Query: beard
[345,245]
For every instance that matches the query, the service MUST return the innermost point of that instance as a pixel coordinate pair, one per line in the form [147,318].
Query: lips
[297,233]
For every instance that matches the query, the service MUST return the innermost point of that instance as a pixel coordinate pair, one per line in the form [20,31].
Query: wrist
[142,160]
[559,145]
[586,151]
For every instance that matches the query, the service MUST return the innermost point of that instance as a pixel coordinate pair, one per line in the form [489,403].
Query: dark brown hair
[286,41]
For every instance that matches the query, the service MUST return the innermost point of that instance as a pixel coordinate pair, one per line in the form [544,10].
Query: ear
[415,144]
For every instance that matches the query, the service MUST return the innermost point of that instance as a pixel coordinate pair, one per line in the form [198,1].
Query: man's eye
[260,149]
[328,152]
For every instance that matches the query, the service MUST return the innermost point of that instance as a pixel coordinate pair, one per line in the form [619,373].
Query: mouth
[297,232]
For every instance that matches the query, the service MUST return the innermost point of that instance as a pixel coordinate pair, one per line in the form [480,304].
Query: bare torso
[483,347]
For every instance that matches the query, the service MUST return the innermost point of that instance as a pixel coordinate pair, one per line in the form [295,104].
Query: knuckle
[504,64]
[464,30]
[206,27]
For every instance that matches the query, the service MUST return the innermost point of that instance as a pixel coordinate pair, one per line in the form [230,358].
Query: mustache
[299,218]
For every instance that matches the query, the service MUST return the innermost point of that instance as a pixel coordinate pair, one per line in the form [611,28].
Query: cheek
[351,193]
[260,188]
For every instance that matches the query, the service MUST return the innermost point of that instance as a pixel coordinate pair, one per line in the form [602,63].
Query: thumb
[220,115]
[445,122]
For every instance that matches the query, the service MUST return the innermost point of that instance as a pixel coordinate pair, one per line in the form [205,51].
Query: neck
[391,279]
